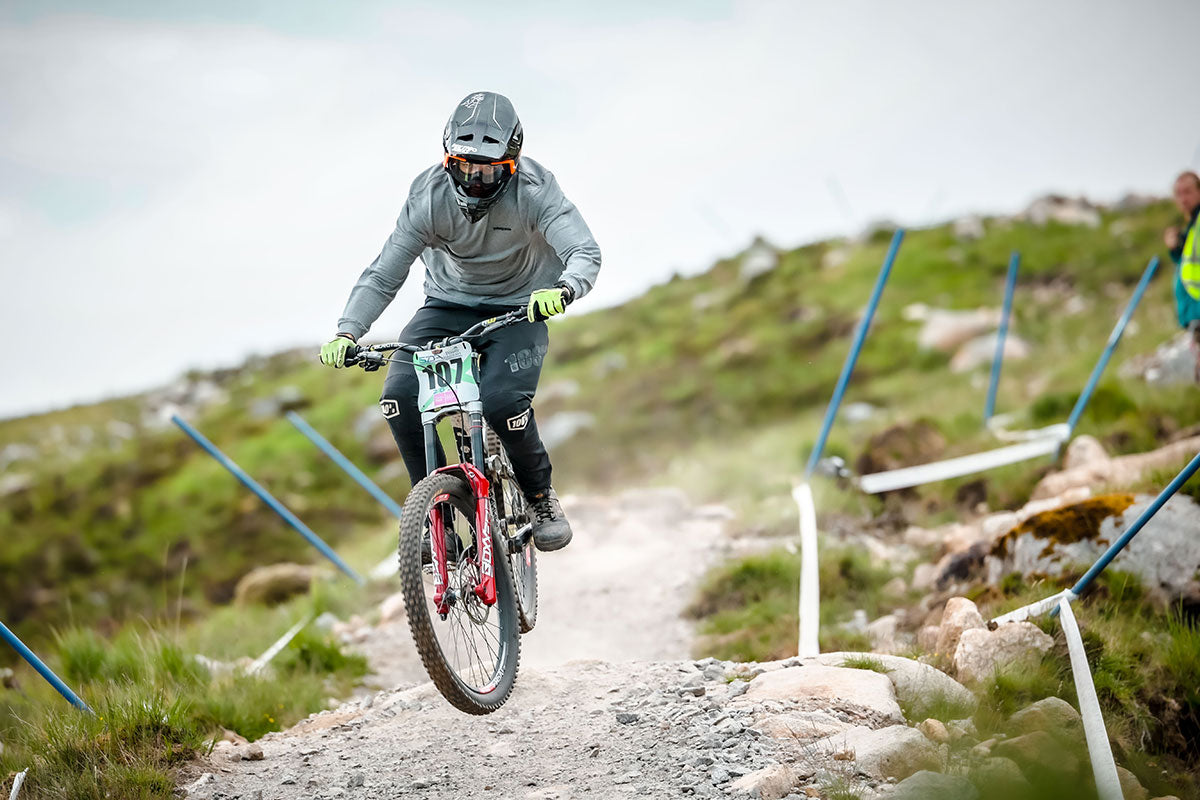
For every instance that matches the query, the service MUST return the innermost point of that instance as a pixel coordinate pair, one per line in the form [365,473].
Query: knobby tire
[423,617]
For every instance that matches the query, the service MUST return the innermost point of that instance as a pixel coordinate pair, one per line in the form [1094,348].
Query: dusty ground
[614,596]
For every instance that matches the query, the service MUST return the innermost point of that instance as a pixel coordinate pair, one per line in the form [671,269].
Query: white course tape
[1060,430]
[957,467]
[20,779]
[1035,609]
[1108,784]
[282,642]
[810,594]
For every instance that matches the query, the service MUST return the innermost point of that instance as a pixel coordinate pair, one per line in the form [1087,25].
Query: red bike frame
[485,590]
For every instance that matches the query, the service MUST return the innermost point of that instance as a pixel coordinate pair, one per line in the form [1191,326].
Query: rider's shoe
[453,550]
[551,531]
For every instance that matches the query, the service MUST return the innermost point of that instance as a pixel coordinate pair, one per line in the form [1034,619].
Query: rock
[946,330]
[1131,787]
[882,633]
[1052,714]
[273,584]
[869,691]
[1000,779]
[927,638]
[719,775]
[1172,363]
[968,228]
[980,652]
[761,257]
[1038,751]
[834,257]
[1063,210]
[626,717]
[935,731]
[770,783]
[858,412]
[286,398]
[959,615]
[980,350]
[558,428]
[253,752]
[915,536]
[7,678]
[926,785]
[924,576]
[801,726]
[1163,555]
[895,589]
[919,687]
[1084,451]
[392,609]
[1120,471]
[206,779]
[15,483]
[896,751]
[356,779]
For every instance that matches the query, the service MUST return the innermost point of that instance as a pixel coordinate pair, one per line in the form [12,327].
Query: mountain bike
[475,590]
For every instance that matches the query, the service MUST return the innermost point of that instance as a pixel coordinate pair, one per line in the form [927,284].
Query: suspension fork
[485,552]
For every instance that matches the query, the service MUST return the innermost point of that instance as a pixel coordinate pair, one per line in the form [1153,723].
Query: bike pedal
[518,541]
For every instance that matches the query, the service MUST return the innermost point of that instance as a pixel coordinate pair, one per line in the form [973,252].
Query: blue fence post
[1082,584]
[42,669]
[265,496]
[1113,339]
[852,357]
[346,464]
[998,359]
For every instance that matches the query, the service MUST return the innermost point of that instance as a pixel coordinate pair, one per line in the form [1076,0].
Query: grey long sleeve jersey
[532,238]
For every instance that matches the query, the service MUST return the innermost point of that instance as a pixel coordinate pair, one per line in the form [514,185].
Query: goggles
[486,173]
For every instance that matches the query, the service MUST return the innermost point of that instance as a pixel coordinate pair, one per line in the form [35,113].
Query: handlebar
[371,357]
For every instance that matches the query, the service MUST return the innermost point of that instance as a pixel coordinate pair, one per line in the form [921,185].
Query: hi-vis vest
[1189,263]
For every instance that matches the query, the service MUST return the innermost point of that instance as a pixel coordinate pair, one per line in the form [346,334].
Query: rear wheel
[510,502]
[472,654]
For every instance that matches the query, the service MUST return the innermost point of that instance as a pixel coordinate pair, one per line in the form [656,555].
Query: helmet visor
[479,179]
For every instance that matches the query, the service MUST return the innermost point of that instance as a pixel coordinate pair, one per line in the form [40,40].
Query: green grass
[748,609]
[156,706]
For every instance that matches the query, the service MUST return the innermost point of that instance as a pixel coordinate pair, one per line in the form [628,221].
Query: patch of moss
[1072,523]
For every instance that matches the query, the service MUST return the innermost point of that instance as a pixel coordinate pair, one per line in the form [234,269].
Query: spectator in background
[1184,244]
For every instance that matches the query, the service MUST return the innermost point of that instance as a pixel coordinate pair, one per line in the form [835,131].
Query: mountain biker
[494,231]
[1184,245]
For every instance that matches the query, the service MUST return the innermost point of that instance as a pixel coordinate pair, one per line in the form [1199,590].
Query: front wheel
[472,654]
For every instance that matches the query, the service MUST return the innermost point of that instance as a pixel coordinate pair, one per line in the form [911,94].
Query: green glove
[545,303]
[333,353]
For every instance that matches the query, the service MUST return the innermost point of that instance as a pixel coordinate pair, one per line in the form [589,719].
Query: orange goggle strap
[511,163]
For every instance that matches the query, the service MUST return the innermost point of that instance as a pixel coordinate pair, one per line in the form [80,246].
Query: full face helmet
[482,145]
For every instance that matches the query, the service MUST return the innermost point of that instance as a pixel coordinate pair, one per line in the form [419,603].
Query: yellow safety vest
[1189,263]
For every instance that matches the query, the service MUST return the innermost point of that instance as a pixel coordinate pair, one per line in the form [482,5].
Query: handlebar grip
[352,353]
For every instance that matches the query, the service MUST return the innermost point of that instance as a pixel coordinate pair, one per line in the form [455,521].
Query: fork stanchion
[346,464]
[860,336]
[43,670]
[1010,286]
[276,506]
[1113,340]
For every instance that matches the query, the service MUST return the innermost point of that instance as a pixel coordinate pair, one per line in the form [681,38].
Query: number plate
[446,377]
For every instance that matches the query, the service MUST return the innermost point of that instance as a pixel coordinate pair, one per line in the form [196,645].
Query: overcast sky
[185,183]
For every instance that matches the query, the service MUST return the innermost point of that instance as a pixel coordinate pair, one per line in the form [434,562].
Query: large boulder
[926,785]
[1163,555]
[867,694]
[896,751]
[1172,363]
[273,584]
[981,652]
[770,783]
[919,687]
[1052,714]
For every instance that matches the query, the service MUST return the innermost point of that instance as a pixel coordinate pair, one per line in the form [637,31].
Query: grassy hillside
[714,382]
